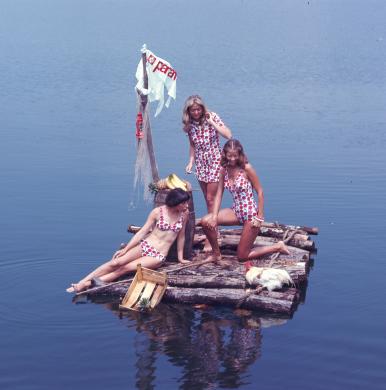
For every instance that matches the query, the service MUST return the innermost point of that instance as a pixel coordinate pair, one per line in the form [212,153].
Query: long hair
[176,197]
[186,119]
[233,144]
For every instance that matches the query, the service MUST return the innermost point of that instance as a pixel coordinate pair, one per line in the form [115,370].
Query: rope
[287,236]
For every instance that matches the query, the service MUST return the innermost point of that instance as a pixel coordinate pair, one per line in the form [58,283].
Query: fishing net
[143,174]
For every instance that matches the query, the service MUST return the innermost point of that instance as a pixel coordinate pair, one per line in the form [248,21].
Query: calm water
[301,84]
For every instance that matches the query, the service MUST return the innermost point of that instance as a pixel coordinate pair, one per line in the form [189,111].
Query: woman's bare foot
[282,248]
[78,287]
[215,257]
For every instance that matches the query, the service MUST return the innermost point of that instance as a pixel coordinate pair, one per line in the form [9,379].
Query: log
[232,241]
[281,302]
[307,229]
[298,241]
[264,231]
[274,302]
[227,279]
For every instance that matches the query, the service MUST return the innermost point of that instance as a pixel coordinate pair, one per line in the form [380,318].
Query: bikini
[244,204]
[149,250]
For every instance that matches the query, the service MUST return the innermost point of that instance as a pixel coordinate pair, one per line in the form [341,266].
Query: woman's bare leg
[109,266]
[248,236]
[225,217]
[209,190]
[204,189]
[278,247]
[146,261]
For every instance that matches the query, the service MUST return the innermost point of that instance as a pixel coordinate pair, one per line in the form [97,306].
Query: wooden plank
[154,276]
[148,291]
[157,296]
[130,291]
[133,297]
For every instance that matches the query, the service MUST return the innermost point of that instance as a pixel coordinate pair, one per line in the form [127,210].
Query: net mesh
[143,175]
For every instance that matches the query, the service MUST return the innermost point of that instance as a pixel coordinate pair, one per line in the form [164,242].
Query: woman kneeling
[238,176]
[150,245]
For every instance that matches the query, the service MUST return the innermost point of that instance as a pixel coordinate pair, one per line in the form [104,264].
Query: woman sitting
[238,176]
[149,246]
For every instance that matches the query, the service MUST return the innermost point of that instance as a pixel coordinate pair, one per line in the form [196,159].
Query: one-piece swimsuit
[244,204]
[207,152]
[148,249]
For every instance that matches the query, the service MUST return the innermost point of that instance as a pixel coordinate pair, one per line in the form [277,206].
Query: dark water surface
[300,83]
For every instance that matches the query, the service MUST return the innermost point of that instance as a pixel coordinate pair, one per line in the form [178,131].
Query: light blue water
[300,83]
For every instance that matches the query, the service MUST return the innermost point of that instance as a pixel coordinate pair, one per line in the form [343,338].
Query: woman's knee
[205,220]
[113,264]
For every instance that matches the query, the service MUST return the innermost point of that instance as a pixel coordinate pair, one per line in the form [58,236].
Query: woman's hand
[189,167]
[119,253]
[209,118]
[210,221]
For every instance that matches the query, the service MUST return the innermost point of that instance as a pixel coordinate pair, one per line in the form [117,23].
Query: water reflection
[213,347]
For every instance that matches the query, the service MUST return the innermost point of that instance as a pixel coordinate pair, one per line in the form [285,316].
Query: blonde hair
[186,119]
[233,144]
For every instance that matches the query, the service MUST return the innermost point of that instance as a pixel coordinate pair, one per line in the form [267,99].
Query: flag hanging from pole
[161,76]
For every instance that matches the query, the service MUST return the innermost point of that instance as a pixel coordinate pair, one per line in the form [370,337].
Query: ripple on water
[32,301]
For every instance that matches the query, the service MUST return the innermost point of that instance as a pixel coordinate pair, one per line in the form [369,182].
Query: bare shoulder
[155,213]
[249,170]
[249,167]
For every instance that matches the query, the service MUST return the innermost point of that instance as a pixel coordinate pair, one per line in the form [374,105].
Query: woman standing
[238,176]
[203,128]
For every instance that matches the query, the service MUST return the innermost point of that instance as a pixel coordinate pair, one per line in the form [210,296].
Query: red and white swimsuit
[149,250]
[163,225]
[207,152]
[244,204]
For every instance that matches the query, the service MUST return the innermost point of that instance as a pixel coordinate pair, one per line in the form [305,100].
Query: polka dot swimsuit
[148,249]
[207,153]
[244,204]
[163,225]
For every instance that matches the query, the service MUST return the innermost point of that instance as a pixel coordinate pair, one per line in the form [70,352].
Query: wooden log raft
[224,282]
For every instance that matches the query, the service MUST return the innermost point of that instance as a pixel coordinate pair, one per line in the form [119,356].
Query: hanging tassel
[139,126]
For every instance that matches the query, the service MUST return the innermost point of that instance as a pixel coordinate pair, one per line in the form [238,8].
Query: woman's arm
[142,233]
[253,178]
[189,167]
[181,241]
[219,125]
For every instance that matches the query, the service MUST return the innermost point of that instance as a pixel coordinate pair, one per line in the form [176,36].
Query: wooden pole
[144,101]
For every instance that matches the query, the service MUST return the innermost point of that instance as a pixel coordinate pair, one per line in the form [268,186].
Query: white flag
[161,76]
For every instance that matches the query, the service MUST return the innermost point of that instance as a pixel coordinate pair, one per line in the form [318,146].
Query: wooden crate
[147,285]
